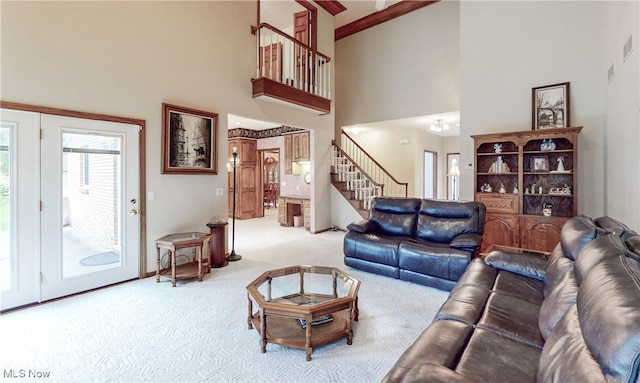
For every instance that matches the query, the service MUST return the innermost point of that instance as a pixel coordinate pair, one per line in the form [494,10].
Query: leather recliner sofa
[424,241]
[573,316]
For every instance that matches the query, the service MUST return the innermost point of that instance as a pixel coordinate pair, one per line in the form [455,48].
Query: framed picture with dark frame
[550,106]
[189,141]
[540,164]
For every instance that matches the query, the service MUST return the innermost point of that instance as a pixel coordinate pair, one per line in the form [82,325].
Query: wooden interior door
[271,58]
[301,32]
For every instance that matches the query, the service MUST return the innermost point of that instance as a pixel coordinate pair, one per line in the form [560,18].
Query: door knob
[133,212]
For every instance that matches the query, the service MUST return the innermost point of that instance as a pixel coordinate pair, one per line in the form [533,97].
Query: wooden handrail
[374,161]
[356,165]
[288,37]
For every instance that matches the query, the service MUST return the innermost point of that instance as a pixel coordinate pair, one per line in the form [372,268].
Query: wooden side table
[174,242]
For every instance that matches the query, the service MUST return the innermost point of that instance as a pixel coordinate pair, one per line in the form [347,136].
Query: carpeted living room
[142,331]
[428,278]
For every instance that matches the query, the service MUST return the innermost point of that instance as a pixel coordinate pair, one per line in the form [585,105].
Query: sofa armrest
[527,263]
[363,226]
[467,241]
[433,373]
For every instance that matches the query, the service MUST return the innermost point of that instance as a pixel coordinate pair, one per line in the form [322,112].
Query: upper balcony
[290,71]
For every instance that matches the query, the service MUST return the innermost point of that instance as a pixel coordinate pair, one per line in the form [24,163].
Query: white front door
[87,228]
[19,208]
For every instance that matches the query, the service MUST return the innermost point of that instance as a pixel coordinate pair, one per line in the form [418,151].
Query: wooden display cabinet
[528,181]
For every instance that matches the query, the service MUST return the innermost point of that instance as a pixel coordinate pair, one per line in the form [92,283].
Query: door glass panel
[91,195]
[7,268]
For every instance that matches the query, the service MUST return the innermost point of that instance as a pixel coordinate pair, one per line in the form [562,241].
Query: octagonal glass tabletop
[304,285]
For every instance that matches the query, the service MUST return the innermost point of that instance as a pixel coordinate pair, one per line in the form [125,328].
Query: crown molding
[332,6]
[389,13]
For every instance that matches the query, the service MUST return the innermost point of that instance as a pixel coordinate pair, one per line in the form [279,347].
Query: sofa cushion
[435,374]
[512,318]
[372,247]
[633,244]
[442,221]
[524,263]
[363,226]
[558,301]
[478,274]
[395,216]
[615,227]
[441,343]
[576,233]
[465,304]
[526,289]
[596,251]
[565,357]
[557,266]
[489,357]
[609,310]
[436,259]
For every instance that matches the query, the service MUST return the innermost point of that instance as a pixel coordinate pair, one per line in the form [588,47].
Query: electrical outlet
[469,165]
[219,192]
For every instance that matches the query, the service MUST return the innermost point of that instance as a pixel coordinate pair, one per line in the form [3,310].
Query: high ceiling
[357,9]
[279,13]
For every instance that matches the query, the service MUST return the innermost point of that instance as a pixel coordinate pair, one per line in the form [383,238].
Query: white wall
[405,67]
[622,158]
[507,48]
[127,58]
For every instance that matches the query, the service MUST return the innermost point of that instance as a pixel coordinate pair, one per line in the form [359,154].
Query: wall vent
[627,48]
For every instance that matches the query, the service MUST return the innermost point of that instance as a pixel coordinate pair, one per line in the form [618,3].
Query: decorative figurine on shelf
[486,188]
[502,189]
[560,168]
[499,166]
[526,190]
[547,144]
[497,148]
[547,209]
[565,190]
[515,189]
[540,190]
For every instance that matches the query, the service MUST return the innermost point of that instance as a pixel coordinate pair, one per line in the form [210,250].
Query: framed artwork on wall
[550,106]
[189,141]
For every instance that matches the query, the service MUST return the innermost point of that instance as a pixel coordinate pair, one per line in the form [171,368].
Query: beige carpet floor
[143,331]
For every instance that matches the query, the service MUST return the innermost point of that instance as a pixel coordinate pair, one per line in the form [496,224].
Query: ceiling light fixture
[439,126]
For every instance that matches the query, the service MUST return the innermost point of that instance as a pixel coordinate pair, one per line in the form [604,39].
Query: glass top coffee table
[290,298]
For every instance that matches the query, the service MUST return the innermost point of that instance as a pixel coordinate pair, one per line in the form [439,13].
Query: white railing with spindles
[283,59]
[373,170]
[364,188]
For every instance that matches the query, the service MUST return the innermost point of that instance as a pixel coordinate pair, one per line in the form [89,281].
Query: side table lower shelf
[184,271]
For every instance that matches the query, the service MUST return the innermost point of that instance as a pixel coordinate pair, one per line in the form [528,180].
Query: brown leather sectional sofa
[571,317]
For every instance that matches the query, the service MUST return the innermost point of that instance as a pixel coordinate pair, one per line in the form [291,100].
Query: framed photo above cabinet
[528,181]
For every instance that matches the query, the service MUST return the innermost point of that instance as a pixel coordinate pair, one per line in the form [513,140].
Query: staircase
[361,180]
